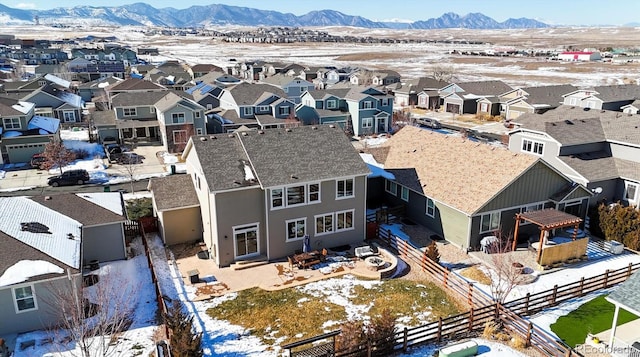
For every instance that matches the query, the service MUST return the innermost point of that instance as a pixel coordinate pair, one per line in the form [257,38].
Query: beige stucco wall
[181,225]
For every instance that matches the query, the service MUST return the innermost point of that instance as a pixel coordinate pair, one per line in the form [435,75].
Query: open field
[409,59]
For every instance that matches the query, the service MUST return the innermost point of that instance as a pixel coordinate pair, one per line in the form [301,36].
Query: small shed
[176,205]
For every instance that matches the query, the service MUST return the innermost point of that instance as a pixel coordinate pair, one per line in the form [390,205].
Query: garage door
[453,108]
[23,153]
[514,114]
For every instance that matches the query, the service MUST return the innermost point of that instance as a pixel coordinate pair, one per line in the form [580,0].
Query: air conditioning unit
[613,247]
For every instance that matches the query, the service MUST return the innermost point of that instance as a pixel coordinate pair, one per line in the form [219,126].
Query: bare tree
[292,121]
[505,271]
[443,73]
[92,316]
[56,155]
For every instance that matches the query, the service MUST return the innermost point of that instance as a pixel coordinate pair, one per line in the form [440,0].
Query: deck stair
[250,263]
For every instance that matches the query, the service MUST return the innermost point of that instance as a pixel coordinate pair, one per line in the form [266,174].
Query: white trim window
[631,192]
[295,195]
[69,116]
[178,118]
[324,224]
[367,104]
[384,102]
[367,123]
[391,187]
[129,112]
[152,109]
[199,131]
[431,208]
[248,110]
[533,147]
[264,109]
[284,110]
[24,299]
[314,192]
[484,107]
[404,193]
[11,123]
[179,136]
[296,229]
[276,198]
[344,188]
[489,222]
[344,220]
[573,101]
[198,114]
[331,104]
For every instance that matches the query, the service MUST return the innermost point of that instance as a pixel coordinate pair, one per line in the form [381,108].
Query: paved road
[138,186]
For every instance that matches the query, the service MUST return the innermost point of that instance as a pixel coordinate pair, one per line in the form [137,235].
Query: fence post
[405,342]
[470,296]
[445,276]
[424,260]
[439,335]
[606,279]
[529,334]
[629,270]
[581,285]
[471,319]
[526,304]
[554,295]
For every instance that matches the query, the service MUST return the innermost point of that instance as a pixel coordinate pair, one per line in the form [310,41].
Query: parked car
[429,123]
[113,152]
[71,177]
[37,160]
[129,158]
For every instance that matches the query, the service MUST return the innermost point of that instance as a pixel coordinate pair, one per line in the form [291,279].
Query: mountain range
[142,14]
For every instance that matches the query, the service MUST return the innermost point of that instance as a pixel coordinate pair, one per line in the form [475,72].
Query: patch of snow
[80,134]
[25,269]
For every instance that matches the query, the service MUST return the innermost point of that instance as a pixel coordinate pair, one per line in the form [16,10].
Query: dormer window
[11,123]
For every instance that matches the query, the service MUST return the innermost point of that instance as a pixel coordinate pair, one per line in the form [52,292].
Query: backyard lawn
[593,317]
[288,315]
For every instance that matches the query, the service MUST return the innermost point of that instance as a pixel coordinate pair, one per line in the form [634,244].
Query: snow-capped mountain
[216,14]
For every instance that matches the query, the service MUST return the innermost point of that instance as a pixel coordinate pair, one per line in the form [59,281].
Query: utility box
[194,276]
[613,247]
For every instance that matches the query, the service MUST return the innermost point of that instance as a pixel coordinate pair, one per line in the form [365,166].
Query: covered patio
[549,220]
[626,340]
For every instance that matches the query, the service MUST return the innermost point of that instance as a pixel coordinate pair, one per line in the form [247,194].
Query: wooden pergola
[546,219]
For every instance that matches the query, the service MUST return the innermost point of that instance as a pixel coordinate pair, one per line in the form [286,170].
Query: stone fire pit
[374,263]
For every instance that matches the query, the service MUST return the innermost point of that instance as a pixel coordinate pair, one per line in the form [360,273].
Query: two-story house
[462,98]
[131,85]
[22,133]
[51,101]
[603,97]
[294,87]
[595,148]
[261,192]
[421,92]
[179,119]
[324,107]
[371,110]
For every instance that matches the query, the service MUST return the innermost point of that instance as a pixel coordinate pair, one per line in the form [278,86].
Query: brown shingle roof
[175,191]
[460,173]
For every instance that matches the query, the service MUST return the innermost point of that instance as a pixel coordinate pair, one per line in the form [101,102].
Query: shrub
[621,224]
[183,341]
[139,207]
[351,337]
[518,343]
[382,330]
[432,252]
[490,329]
[355,336]
[81,153]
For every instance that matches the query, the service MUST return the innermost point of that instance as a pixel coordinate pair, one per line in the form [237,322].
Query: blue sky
[584,12]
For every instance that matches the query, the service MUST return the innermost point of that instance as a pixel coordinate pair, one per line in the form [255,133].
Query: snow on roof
[23,107]
[107,200]
[70,98]
[377,169]
[51,125]
[25,269]
[56,242]
[57,80]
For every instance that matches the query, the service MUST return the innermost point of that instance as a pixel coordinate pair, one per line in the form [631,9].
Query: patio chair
[365,251]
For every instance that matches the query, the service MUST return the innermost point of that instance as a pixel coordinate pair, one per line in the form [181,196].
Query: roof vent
[34,227]
[314,127]
[288,130]
[332,126]
[260,131]
[602,111]
[213,137]
[294,177]
[230,135]
[202,138]
[568,122]
[629,115]
[47,198]
[244,133]
[586,109]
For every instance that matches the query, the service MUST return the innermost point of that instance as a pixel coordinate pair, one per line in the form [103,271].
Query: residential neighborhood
[273,176]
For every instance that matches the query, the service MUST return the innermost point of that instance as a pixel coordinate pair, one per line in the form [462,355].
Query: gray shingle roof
[278,156]
[626,294]
[248,94]
[80,209]
[548,95]
[485,88]
[616,126]
[628,169]
[617,93]
[135,84]
[174,191]
[103,117]
[137,99]
[322,94]
[575,132]
[594,166]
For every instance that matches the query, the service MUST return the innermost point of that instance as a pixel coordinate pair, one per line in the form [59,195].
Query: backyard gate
[326,349]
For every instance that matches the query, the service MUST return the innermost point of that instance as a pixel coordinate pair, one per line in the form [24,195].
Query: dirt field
[410,60]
